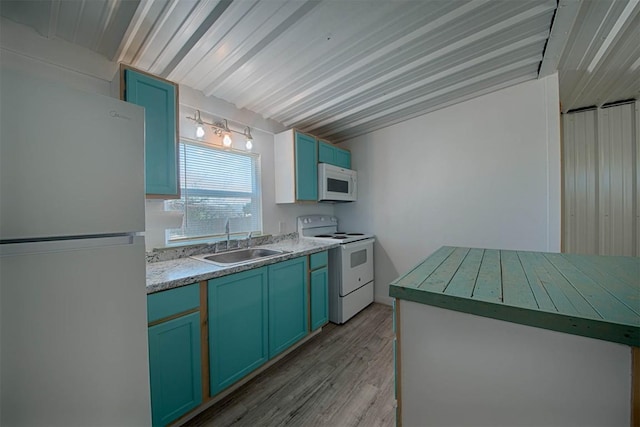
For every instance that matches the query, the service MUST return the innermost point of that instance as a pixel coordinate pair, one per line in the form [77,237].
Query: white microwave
[336,184]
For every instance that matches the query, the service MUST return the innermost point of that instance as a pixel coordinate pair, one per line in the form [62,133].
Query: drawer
[171,302]
[318,260]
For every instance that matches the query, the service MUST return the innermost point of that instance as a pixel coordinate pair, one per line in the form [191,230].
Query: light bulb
[199,125]
[247,134]
[226,140]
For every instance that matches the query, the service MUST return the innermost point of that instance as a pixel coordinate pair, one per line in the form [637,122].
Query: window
[217,186]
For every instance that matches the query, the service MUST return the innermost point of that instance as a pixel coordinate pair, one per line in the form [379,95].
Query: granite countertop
[174,273]
[587,295]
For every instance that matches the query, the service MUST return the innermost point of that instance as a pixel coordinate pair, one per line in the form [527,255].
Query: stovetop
[325,227]
[343,237]
[340,235]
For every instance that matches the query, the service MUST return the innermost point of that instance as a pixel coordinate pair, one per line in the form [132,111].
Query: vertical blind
[217,186]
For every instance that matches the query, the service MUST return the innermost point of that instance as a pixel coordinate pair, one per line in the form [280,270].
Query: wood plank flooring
[342,377]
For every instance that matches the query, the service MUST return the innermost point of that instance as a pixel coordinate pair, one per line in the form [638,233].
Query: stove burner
[324,235]
[340,237]
[355,234]
[340,232]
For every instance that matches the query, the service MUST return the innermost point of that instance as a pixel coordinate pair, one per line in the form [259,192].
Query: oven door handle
[358,244]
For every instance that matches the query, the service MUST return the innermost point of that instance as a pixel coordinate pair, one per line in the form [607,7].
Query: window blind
[216,185]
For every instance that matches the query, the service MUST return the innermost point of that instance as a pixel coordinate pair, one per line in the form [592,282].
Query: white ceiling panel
[98,25]
[342,68]
[596,66]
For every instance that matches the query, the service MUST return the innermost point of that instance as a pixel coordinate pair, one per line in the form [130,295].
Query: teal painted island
[499,337]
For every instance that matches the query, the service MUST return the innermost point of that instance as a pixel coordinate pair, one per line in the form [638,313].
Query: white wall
[482,173]
[77,67]
[48,71]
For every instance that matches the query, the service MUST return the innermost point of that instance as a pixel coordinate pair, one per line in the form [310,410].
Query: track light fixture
[221,129]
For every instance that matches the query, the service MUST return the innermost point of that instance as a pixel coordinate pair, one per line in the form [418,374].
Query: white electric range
[350,265]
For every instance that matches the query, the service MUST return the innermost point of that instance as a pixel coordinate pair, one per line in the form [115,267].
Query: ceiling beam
[563,21]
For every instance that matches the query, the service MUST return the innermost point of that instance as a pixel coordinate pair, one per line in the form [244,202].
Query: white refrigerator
[73,319]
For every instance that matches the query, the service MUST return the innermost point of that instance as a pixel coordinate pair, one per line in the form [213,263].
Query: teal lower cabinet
[319,298]
[175,368]
[319,287]
[288,317]
[238,321]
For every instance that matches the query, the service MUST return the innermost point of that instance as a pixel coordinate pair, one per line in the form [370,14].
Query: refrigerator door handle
[22,248]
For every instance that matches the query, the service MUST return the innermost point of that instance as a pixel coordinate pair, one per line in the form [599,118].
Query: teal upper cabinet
[326,153]
[175,364]
[329,153]
[238,320]
[296,167]
[159,98]
[319,288]
[343,158]
[287,304]
[306,159]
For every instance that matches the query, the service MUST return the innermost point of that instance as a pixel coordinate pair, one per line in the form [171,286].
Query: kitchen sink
[239,256]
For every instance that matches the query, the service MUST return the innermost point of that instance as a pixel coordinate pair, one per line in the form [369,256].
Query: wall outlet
[281,227]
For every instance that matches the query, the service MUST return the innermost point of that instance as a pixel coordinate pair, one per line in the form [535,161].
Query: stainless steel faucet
[249,236]
[226,230]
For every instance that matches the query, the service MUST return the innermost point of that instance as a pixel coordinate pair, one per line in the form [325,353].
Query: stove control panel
[318,219]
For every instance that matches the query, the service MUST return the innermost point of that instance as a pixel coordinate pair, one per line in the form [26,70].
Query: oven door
[357,265]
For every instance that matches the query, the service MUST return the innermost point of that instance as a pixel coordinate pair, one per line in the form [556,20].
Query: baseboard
[386,300]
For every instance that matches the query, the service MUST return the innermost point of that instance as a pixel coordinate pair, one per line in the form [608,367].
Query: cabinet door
[175,368]
[287,304]
[172,302]
[326,153]
[158,97]
[306,163]
[319,298]
[238,319]
[343,158]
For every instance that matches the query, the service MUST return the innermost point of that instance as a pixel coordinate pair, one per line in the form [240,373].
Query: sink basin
[238,257]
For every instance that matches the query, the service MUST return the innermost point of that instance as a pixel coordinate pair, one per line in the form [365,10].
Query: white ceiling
[339,69]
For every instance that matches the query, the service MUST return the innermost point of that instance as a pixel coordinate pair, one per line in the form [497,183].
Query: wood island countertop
[587,295]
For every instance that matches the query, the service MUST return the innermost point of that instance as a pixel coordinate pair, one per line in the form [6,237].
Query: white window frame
[237,223]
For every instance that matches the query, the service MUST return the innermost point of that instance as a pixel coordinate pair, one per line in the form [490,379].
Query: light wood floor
[341,377]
